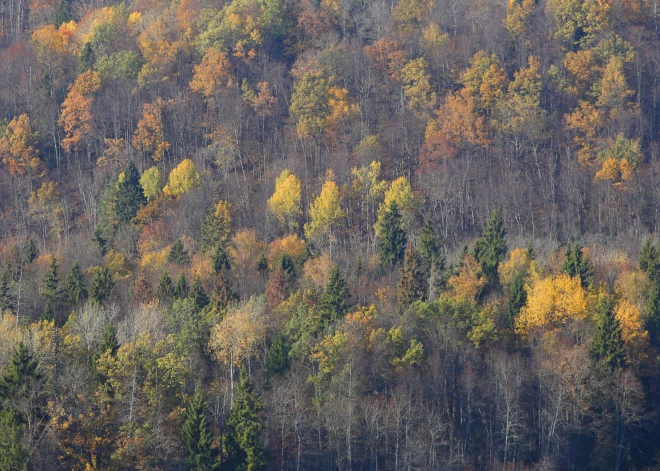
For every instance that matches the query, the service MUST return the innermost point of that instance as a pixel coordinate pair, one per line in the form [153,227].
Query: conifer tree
[50,290]
[223,292]
[165,290]
[100,241]
[392,243]
[109,344]
[217,226]
[13,455]
[181,287]
[243,440]
[576,264]
[648,258]
[30,251]
[62,13]
[19,374]
[219,260]
[277,288]
[412,286]
[517,299]
[491,247]
[278,355]
[333,300]
[5,293]
[197,436]
[75,287]
[101,285]
[178,253]
[653,312]
[129,197]
[607,345]
[198,295]
[87,57]
[429,246]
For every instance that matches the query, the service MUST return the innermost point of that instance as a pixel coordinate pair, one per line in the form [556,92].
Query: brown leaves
[17,147]
[77,117]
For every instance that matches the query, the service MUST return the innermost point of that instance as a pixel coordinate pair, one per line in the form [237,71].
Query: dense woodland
[329,235]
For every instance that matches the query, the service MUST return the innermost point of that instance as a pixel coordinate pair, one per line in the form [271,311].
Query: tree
[392,241]
[30,251]
[325,211]
[151,182]
[63,14]
[165,290]
[101,285]
[181,287]
[183,178]
[178,254]
[75,287]
[491,247]
[109,346]
[649,258]
[412,286]
[244,429]
[333,301]
[220,260]
[50,289]
[198,295]
[197,436]
[129,197]
[23,369]
[607,346]
[578,265]
[517,298]
[285,203]
[76,117]
[150,135]
[18,147]
[217,226]
[13,455]
[100,241]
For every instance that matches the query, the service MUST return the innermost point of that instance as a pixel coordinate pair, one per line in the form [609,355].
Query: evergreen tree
[278,355]
[178,253]
[244,426]
[75,287]
[219,260]
[30,251]
[181,287]
[100,241]
[429,247]
[392,244]
[13,455]
[412,286]
[648,258]
[5,291]
[491,247]
[277,288]
[653,312]
[198,295]
[576,264]
[262,266]
[607,345]
[216,228]
[62,13]
[20,374]
[50,290]
[197,436]
[333,300]
[517,299]
[87,57]
[223,292]
[129,197]
[165,290]
[109,344]
[102,285]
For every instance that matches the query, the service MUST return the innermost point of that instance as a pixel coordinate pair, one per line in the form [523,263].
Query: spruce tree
[491,247]
[129,197]
[219,260]
[30,251]
[392,243]
[649,258]
[75,287]
[13,455]
[100,241]
[20,374]
[333,300]
[178,253]
[87,57]
[517,299]
[576,264]
[223,292]
[5,291]
[607,345]
[278,355]
[653,312]
[243,440]
[198,295]
[197,436]
[413,285]
[109,344]
[181,287]
[101,285]
[429,246]
[165,290]
[50,290]
[62,13]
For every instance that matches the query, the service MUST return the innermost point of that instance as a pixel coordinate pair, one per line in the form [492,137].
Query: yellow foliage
[325,211]
[17,147]
[552,301]
[183,178]
[518,262]
[517,18]
[399,192]
[10,336]
[151,182]
[246,249]
[290,245]
[118,265]
[285,203]
[470,279]
[155,260]
[316,271]
[636,339]
[633,286]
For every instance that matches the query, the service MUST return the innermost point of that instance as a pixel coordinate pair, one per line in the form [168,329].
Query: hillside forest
[329,235]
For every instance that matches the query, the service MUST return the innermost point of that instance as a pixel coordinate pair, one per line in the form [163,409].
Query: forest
[331,235]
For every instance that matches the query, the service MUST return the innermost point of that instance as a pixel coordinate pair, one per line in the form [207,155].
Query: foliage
[392,242]
[197,436]
[183,178]
[285,203]
[129,196]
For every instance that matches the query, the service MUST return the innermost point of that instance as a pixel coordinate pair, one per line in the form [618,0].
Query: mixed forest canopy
[329,235]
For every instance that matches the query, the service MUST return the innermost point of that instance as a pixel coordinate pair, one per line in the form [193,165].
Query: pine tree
[392,244]
[62,13]
[30,251]
[102,285]
[100,241]
[50,290]
[181,287]
[576,264]
[219,260]
[13,455]
[517,299]
[648,258]
[413,285]
[178,253]
[165,290]
[607,345]
[242,441]
[491,247]
[129,197]
[197,436]
[333,300]
[198,295]
[75,287]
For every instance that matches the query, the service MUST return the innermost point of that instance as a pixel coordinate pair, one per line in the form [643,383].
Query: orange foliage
[388,57]
[213,73]
[17,147]
[149,135]
[76,117]
[290,245]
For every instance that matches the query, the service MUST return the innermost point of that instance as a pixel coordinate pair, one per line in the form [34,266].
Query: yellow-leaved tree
[285,203]
[151,182]
[183,178]
[17,147]
[399,192]
[325,212]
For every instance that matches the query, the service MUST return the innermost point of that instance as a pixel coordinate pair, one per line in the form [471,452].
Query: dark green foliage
[213,231]
[517,299]
[243,440]
[333,301]
[491,247]
[413,285]
[75,287]
[530,251]
[50,290]
[87,57]
[129,197]
[21,372]
[219,260]
[102,285]
[607,345]
[109,344]
[576,264]
[165,290]
[62,13]
[197,436]
[262,266]
[198,295]
[5,293]
[359,269]
[653,312]
[178,253]
[392,244]
[278,355]
[100,241]
[181,288]
[223,292]
[286,262]
[30,251]
[13,454]
[648,258]
[429,246]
